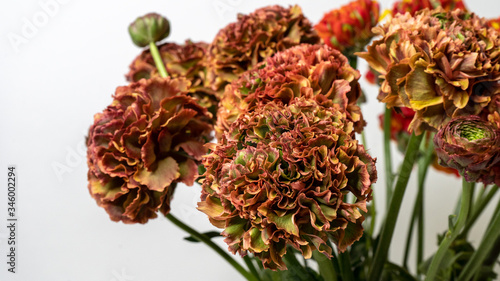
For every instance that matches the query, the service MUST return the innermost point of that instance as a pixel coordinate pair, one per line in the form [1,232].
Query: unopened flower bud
[149,28]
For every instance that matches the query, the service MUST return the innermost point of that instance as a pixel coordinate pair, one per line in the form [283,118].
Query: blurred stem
[373,217]
[423,167]
[363,139]
[211,244]
[417,217]
[157,59]
[249,262]
[484,249]
[493,254]
[381,253]
[389,176]
[465,204]
[325,265]
[345,267]
[353,61]
[478,208]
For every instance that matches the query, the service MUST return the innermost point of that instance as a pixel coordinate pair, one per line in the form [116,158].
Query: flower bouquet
[267,120]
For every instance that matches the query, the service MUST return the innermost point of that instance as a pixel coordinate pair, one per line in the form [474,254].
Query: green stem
[363,140]
[249,262]
[212,245]
[325,265]
[345,267]
[392,213]
[493,254]
[389,176]
[417,216]
[157,59]
[479,207]
[371,231]
[423,168]
[465,204]
[353,61]
[482,252]
[409,235]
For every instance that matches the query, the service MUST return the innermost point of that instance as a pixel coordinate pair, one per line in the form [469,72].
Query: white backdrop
[60,62]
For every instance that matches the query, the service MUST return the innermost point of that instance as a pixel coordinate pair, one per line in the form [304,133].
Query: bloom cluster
[279,178]
[314,71]
[151,137]
[412,7]
[439,64]
[443,69]
[287,174]
[241,45]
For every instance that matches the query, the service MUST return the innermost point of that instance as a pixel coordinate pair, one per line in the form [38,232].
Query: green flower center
[472,133]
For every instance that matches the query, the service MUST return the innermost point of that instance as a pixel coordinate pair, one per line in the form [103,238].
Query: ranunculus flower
[185,60]
[472,146]
[348,29]
[151,137]
[494,23]
[413,6]
[280,177]
[241,45]
[312,71]
[440,64]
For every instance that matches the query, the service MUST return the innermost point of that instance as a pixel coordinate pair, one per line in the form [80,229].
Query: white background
[64,71]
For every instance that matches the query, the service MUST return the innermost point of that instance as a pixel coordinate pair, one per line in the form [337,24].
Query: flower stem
[487,243]
[353,61]
[345,267]
[248,261]
[392,213]
[465,204]
[212,245]
[417,217]
[492,257]
[478,208]
[389,176]
[325,265]
[158,61]
[363,140]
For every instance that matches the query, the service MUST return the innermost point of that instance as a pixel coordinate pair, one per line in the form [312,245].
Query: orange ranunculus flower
[495,23]
[348,29]
[440,64]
